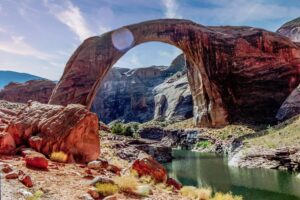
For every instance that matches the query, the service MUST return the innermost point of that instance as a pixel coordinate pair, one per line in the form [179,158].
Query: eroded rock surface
[290,107]
[35,90]
[233,71]
[50,128]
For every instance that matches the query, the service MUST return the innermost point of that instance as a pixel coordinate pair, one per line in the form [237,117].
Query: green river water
[211,170]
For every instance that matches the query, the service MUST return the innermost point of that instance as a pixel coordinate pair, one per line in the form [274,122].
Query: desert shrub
[36,196]
[128,131]
[196,193]
[228,196]
[126,183]
[120,128]
[117,128]
[106,189]
[203,144]
[59,156]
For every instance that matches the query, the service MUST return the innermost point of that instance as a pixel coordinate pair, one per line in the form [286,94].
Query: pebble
[12,175]
[25,193]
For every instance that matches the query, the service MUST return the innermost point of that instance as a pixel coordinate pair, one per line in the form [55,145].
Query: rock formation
[173,99]
[291,30]
[290,107]
[50,128]
[133,95]
[232,71]
[36,90]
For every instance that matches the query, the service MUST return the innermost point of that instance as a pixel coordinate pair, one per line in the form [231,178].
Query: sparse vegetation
[196,193]
[59,156]
[36,196]
[106,189]
[228,196]
[126,183]
[204,144]
[129,129]
[282,135]
[206,194]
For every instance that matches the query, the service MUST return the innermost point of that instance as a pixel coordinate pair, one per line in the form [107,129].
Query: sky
[39,36]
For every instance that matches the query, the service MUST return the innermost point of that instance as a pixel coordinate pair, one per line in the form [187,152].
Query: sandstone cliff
[36,90]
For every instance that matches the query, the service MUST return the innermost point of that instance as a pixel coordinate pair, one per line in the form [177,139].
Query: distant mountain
[291,30]
[9,76]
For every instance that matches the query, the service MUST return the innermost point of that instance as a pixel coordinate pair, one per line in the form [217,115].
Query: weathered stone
[101,179]
[93,192]
[150,167]
[7,168]
[175,184]
[36,160]
[98,164]
[233,71]
[12,175]
[290,107]
[50,128]
[26,180]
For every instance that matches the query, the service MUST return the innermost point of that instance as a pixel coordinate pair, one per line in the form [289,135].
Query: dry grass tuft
[196,193]
[59,156]
[106,189]
[126,183]
[228,196]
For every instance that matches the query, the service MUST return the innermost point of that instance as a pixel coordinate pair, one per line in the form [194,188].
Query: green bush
[120,128]
[203,144]
[117,128]
[128,131]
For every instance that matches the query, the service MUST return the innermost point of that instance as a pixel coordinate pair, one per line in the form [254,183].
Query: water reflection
[210,170]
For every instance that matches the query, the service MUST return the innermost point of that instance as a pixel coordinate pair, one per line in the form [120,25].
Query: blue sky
[39,36]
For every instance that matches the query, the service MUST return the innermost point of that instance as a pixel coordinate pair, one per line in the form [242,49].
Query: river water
[211,170]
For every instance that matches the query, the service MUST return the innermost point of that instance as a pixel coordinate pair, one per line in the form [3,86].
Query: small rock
[37,161]
[12,175]
[86,197]
[174,183]
[26,180]
[25,193]
[98,164]
[94,193]
[114,169]
[88,171]
[101,179]
[150,167]
[113,197]
[94,164]
[142,190]
[7,168]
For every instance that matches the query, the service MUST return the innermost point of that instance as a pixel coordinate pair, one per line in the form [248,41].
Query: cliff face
[36,90]
[133,95]
[291,30]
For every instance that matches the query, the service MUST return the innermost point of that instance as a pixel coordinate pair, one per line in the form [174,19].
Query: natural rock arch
[221,62]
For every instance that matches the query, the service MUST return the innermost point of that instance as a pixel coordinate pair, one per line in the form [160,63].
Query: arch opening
[149,82]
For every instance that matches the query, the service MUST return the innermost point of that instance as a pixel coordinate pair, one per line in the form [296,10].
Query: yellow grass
[59,156]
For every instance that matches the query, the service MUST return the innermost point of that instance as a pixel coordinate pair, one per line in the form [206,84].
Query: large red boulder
[36,160]
[51,128]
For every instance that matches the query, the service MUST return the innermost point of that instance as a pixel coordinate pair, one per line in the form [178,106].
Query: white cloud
[240,12]
[171,7]
[17,45]
[71,16]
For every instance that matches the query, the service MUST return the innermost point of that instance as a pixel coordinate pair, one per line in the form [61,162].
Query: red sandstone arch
[230,69]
